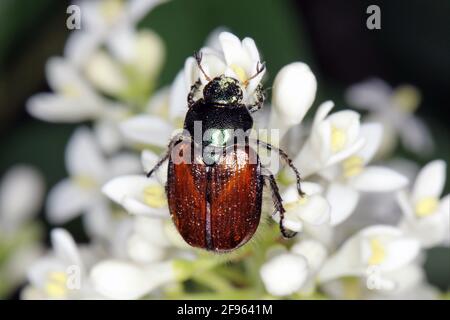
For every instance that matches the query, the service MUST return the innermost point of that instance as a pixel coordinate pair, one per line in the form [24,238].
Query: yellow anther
[378,252]
[426,206]
[240,73]
[406,98]
[303,200]
[154,196]
[111,9]
[59,277]
[338,139]
[295,204]
[352,166]
[55,286]
[70,91]
[85,182]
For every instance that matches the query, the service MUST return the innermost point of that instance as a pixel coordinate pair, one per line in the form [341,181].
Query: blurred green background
[331,36]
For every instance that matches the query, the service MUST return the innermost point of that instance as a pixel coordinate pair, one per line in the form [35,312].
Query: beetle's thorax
[204,120]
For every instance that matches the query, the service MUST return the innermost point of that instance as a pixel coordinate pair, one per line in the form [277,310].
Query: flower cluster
[362,225]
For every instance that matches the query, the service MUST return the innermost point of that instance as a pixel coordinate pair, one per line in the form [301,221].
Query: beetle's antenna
[259,68]
[198,57]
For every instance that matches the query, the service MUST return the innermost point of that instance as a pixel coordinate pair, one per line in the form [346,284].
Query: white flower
[384,248]
[311,209]
[148,242]
[88,170]
[237,59]
[105,22]
[294,90]
[138,195]
[426,217]
[315,254]
[156,126]
[130,67]
[332,139]
[409,284]
[353,175]
[117,279]
[21,195]
[288,272]
[59,275]
[284,274]
[148,130]
[72,100]
[146,263]
[394,109]
[242,59]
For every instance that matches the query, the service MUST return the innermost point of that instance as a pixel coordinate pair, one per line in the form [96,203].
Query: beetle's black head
[223,90]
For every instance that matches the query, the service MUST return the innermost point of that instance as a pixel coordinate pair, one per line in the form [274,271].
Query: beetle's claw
[260,66]
[300,191]
[198,56]
[287,233]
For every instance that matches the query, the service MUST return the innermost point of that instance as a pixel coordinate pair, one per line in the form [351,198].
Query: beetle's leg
[259,68]
[194,89]
[288,160]
[260,97]
[166,156]
[198,57]
[278,204]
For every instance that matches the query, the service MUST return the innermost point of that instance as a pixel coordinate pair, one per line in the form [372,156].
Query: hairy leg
[260,97]
[278,204]
[166,156]
[194,89]
[288,160]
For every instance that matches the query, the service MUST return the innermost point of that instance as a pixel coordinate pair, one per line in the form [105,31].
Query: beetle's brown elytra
[215,200]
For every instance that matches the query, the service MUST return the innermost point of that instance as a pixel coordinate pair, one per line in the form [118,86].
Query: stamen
[154,196]
[426,206]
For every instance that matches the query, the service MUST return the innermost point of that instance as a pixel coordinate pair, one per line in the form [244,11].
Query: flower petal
[67,200]
[65,247]
[372,134]
[432,230]
[58,108]
[38,271]
[105,73]
[21,195]
[430,181]
[294,90]
[121,280]
[98,221]
[315,211]
[373,94]
[108,136]
[83,156]
[378,179]
[80,45]
[416,136]
[343,200]
[124,163]
[284,274]
[233,51]
[145,129]
[313,251]
[128,191]
[129,185]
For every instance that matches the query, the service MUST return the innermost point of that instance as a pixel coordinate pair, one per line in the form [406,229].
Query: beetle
[215,199]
